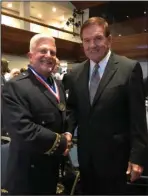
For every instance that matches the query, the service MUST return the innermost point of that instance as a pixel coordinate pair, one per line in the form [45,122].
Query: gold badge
[62,107]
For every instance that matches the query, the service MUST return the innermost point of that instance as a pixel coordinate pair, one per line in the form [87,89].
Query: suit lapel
[109,72]
[82,83]
[61,92]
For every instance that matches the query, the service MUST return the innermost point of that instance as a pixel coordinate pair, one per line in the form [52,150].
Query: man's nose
[92,44]
[48,54]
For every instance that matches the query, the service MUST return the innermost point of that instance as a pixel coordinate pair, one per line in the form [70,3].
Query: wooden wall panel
[16,41]
[130,27]
[133,46]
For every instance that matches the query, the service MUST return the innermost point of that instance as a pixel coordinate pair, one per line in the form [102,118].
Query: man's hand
[134,170]
[68,137]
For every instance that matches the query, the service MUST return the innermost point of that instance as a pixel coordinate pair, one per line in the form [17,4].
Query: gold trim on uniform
[55,145]
[4,191]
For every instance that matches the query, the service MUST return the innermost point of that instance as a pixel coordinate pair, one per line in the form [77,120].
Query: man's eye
[43,51]
[98,38]
[86,40]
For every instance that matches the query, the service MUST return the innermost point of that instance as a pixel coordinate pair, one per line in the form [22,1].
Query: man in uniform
[34,116]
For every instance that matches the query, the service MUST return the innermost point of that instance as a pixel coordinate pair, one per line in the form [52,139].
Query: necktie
[51,83]
[94,82]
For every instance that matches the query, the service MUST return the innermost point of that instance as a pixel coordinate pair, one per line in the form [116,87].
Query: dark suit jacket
[113,130]
[31,116]
[146,86]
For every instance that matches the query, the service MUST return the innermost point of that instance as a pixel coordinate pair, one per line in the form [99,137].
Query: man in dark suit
[34,115]
[106,102]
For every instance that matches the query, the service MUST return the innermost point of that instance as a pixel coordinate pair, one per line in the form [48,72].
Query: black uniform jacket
[31,116]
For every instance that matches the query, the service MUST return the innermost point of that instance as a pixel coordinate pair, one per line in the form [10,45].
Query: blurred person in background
[23,69]
[5,71]
[56,73]
[14,72]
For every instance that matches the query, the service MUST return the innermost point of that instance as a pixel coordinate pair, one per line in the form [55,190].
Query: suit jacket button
[43,122]
[32,166]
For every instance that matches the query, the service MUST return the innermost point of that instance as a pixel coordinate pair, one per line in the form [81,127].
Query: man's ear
[29,55]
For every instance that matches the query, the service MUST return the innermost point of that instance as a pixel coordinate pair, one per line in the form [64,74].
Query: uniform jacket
[31,116]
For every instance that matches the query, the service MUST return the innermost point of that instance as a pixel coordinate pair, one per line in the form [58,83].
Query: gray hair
[37,38]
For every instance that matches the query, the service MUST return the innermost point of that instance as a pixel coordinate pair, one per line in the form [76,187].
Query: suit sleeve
[138,134]
[71,107]
[18,120]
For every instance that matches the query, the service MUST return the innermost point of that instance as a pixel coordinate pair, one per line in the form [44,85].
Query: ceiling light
[54,9]
[127,16]
[119,35]
[40,15]
[144,12]
[145,30]
[9,5]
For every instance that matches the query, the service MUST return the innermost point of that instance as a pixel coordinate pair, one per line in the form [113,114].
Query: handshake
[68,136]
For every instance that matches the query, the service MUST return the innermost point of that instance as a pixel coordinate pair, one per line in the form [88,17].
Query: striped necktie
[94,82]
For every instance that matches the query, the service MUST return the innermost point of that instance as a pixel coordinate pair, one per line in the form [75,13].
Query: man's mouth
[94,51]
[49,62]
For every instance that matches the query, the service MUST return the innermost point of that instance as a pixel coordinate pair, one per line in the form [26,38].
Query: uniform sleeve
[138,128]
[18,120]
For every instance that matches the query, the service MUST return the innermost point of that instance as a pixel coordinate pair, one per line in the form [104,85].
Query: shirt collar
[102,63]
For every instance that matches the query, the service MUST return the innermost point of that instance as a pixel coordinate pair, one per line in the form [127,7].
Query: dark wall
[124,17]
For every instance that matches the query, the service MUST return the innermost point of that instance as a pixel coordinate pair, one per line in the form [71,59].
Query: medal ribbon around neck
[56,93]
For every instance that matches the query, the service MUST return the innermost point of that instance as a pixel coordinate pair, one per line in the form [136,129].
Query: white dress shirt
[102,65]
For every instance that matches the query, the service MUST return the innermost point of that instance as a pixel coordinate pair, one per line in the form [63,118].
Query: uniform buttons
[32,166]
[43,122]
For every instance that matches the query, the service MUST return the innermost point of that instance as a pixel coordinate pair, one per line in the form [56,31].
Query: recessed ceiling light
[9,5]
[40,15]
[127,16]
[144,12]
[54,9]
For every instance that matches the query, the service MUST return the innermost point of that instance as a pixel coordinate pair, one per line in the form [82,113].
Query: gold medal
[62,107]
